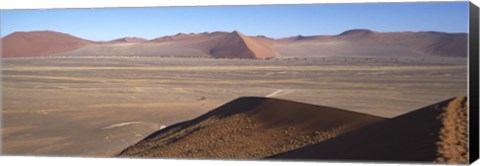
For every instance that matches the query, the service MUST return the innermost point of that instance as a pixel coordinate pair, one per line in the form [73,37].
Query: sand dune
[254,127]
[40,43]
[179,45]
[250,128]
[361,42]
[237,45]
[217,44]
[436,133]
[357,42]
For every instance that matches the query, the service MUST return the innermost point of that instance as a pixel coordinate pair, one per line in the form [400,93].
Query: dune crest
[453,144]
[250,128]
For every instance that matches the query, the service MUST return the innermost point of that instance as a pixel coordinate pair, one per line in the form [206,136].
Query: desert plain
[100,105]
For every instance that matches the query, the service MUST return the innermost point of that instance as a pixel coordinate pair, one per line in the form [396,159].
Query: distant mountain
[357,42]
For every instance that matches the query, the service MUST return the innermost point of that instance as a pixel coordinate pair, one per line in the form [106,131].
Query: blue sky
[274,21]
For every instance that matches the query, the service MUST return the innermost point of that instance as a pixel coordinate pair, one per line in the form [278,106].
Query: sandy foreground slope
[250,128]
[436,133]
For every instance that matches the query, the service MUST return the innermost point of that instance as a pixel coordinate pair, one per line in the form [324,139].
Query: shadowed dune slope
[40,43]
[435,133]
[250,128]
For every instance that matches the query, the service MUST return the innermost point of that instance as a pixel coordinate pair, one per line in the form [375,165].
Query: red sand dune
[237,45]
[436,133]
[223,44]
[40,43]
[250,128]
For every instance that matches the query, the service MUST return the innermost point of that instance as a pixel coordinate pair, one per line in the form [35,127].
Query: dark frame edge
[473,83]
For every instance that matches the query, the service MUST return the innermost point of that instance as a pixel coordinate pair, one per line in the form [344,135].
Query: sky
[277,21]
